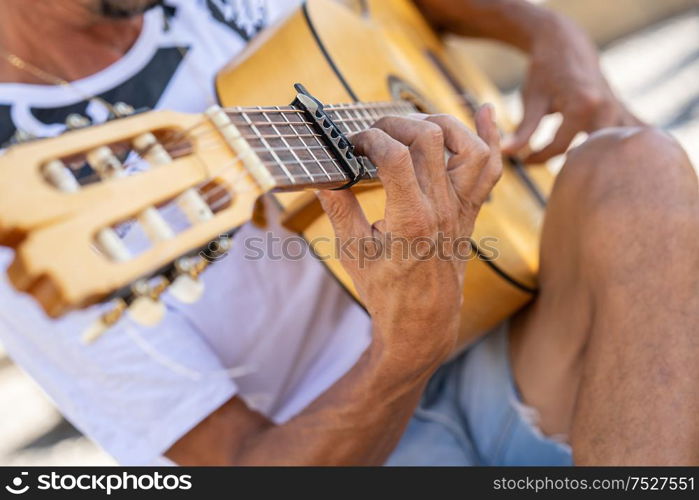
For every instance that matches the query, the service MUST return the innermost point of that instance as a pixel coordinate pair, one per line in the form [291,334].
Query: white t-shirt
[277,333]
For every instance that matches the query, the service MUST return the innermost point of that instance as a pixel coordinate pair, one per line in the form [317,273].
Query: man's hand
[564,76]
[414,301]
[564,72]
[412,285]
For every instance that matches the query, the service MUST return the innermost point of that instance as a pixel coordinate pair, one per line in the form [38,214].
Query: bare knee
[630,166]
[627,187]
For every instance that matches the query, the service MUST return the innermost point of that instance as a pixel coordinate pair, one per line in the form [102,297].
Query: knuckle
[495,172]
[481,153]
[396,154]
[433,134]
[446,220]
[589,100]
[336,211]
[382,122]
[372,135]
[425,224]
[443,118]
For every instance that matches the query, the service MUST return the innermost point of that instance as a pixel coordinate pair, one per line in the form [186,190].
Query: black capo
[352,165]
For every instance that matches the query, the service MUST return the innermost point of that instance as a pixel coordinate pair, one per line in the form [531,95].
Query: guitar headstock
[65,204]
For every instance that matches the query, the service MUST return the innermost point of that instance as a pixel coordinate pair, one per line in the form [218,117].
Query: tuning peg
[21,136]
[143,307]
[186,289]
[186,286]
[122,110]
[76,121]
[146,309]
[60,176]
[99,327]
[105,163]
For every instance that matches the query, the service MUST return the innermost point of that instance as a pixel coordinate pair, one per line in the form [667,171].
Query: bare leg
[609,352]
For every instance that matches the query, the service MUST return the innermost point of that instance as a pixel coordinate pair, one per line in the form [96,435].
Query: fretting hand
[414,300]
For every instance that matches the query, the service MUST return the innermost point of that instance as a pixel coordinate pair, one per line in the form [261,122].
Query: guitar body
[381,50]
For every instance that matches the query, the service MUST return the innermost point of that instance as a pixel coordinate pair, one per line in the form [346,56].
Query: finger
[469,153]
[486,127]
[459,140]
[395,169]
[487,130]
[535,108]
[426,143]
[560,143]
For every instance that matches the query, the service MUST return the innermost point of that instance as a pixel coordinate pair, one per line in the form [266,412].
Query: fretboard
[293,149]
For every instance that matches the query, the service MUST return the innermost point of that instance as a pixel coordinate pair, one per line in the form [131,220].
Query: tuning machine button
[146,308]
[99,327]
[186,287]
[122,110]
[21,136]
[76,121]
[143,306]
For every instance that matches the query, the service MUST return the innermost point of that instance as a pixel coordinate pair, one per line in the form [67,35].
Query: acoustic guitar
[376,57]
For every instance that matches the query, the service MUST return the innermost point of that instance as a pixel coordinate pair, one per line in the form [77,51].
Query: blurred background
[650,53]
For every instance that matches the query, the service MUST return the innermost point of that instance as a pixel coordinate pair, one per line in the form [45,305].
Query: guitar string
[171,142]
[146,347]
[312,176]
[219,190]
[224,190]
[360,123]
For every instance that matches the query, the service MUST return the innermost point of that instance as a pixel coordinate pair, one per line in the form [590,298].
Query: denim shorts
[471,414]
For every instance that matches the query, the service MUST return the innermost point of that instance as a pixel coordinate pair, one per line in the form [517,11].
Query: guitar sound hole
[403,91]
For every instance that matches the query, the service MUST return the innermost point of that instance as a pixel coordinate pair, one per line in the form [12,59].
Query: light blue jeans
[472,414]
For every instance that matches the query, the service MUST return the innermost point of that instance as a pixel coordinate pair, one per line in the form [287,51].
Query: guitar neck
[294,149]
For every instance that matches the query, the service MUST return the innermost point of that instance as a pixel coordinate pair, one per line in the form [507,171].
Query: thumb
[535,108]
[345,214]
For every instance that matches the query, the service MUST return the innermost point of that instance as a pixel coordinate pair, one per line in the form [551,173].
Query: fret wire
[358,126]
[289,136]
[286,143]
[371,112]
[327,153]
[392,107]
[380,104]
[371,170]
[363,122]
[355,118]
[361,125]
[291,148]
[264,141]
[311,148]
[367,115]
[332,176]
[324,149]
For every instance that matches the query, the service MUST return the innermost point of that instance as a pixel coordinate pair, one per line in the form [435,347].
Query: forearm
[516,22]
[358,421]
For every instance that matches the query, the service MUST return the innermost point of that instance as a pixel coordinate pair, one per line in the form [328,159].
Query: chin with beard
[121,9]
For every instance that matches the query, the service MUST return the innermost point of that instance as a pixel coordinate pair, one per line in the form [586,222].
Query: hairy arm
[358,421]
[414,302]
[515,22]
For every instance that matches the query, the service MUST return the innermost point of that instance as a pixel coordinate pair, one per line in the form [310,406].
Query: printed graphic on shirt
[245,17]
[143,90]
